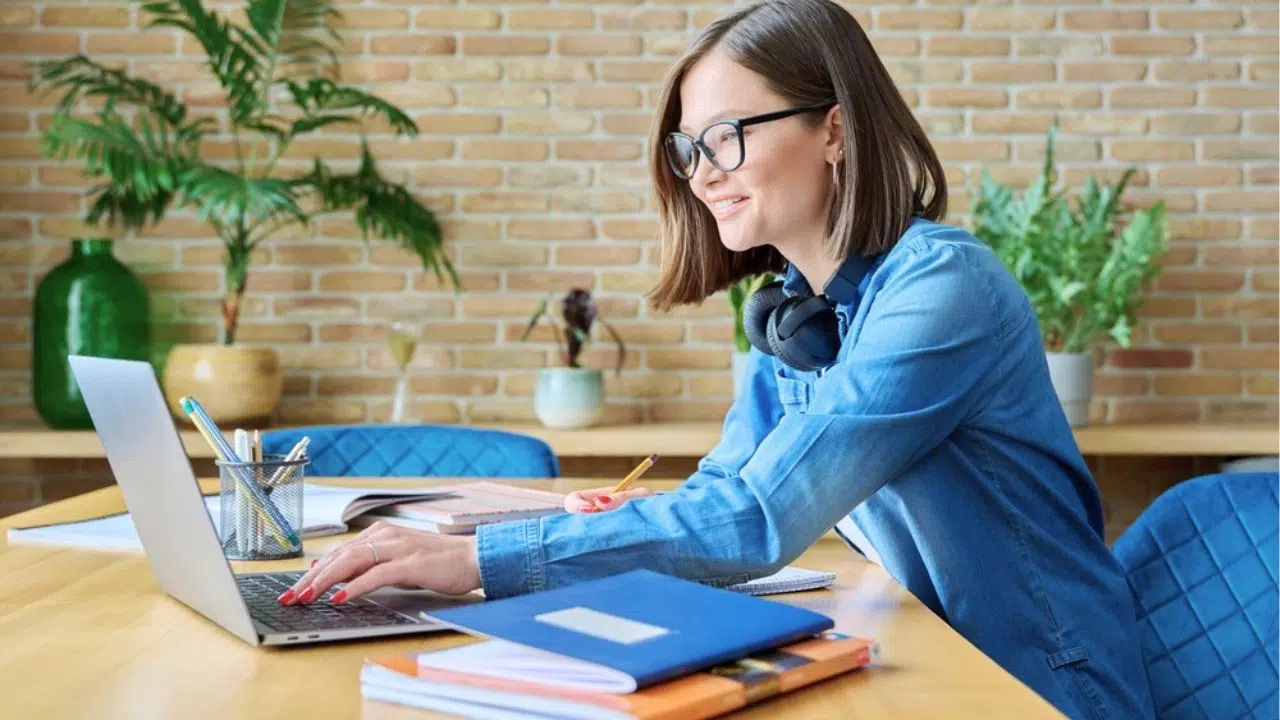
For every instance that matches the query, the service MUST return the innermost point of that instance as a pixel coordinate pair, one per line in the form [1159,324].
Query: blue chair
[377,450]
[1201,561]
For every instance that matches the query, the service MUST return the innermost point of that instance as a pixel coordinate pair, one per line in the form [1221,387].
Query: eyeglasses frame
[738,124]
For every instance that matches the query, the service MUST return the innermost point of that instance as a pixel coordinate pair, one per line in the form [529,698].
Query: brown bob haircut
[809,52]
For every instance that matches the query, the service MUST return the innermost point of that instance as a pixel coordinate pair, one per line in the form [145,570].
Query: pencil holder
[260,508]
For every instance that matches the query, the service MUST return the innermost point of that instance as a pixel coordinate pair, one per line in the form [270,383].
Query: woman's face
[782,191]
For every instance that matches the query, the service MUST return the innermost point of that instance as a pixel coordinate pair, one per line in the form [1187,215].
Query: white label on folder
[602,625]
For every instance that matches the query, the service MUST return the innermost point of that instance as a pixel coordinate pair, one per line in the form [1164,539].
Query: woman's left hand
[385,555]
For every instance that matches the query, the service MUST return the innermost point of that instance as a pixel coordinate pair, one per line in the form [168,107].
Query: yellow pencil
[634,474]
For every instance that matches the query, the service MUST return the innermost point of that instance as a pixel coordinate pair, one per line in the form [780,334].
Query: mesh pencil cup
[250,530]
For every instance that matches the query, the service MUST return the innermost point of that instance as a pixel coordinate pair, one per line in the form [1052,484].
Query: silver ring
[376,560]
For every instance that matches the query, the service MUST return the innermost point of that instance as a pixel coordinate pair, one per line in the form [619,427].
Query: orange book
[503,680]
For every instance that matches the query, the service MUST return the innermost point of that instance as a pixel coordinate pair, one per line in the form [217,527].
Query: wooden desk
[695,439]
[90,634]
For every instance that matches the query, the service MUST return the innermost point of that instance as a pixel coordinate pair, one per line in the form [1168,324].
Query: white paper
[503,659]
[788,579]
[602,625]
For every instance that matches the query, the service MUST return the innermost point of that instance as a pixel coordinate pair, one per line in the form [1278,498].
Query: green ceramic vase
[91,304]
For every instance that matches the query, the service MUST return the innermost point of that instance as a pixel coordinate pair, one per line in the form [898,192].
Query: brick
[1264,334]
[1195,123]
[988,19]
[130,44]
[1152,150]
[544,19]
[416,45]
[515,150]
[638,71]
[85,17]
[1197,333]
[1104,71]
[930,19]
[1239,150]
[1002,123]
[449,69]
[645,19]
[1239,359]
[458,123]
[1264,229]
[411,95]
[504,255]
[665,44]
[687,359]
[505,44]
[646,386]
[1105,383]
[471,229]
[597,202]
[897,46]
[1264,70]
[372,19]
[1238,201]
[1153,45]
[1240,307]
[503,96]
[440,176]
[1167,307]
[1195,70]
[963,46]
[487,202]
[1264,123]
[305,411]
[549,69]
[1198,384]
[1205,280]
[637,281]
[17,16]
[12,122]
[1198,176]
[1242,255]
[458,19]
[599,45]
[1151,97]
[1068,150]
[627,124]
[1058,97]
[1235,45]
[317,255]
[549,280]
[942,123]
[403,149]
[1174,202]
[550,229]
[963,149]
[1199,19]
[966,97]
[38,43]
[1150,358]
[1238,97]
[1135,411]
[598,150]
[500,411]
[427,357]
[1109,124]
[924,71]
[1065,46]
[688,411]
[1265,281]
[547,176]
[595,255]
[639,229]
[598,97]
[1264,18]
[1264,175]
[524,356]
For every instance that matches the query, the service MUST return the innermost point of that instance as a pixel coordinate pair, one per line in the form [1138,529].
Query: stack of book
[638,644]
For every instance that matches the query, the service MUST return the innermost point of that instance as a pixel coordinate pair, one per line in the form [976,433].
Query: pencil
[634,474]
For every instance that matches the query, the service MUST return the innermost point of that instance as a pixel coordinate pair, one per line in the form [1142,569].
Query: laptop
[150,464]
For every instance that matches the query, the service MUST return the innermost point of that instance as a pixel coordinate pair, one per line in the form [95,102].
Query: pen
[207,428]
[634,474]
[293,455]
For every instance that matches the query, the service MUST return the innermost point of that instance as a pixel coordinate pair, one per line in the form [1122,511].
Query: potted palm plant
[281,81]
[1083,268]
[739,292]
[570,395]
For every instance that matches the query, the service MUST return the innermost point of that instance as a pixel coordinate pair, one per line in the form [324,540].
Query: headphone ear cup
[812,333]
[756,312]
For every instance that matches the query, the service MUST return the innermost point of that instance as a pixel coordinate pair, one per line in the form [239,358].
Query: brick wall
[534,119]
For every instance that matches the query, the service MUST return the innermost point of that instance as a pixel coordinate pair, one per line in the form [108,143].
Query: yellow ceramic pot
[239,386]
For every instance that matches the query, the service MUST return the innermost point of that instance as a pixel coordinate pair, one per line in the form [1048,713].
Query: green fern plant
[1083,268]
[285,52]
[738,294]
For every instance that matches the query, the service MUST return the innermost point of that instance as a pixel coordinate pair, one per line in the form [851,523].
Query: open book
[326,510]
[499,679]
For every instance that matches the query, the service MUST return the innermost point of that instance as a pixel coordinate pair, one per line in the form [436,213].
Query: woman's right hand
[601,499]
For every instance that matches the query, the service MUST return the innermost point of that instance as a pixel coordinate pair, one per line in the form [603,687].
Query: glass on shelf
[402,340]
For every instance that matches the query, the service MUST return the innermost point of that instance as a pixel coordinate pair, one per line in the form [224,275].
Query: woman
[898,387]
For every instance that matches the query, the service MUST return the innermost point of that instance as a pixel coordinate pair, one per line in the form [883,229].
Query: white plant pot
[1072,376]
[568,398]
[739,371]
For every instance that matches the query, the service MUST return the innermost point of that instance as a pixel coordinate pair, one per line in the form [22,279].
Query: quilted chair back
[1201,562]
[377,450]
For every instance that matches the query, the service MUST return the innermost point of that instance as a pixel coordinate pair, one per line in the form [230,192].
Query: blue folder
[650,626]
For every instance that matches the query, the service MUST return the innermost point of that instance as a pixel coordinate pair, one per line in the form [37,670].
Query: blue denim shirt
[937,437]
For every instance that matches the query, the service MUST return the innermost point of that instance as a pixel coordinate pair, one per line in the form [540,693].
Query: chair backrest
[377,450]
[1201,562]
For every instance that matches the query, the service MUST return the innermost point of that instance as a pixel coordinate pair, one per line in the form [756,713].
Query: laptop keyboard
[260,593]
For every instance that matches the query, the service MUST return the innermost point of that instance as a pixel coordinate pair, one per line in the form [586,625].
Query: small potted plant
[1083,269]
[572,396]
[279,76]
[739,292]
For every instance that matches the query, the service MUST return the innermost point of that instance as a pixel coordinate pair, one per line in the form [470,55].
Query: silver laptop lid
[148,460]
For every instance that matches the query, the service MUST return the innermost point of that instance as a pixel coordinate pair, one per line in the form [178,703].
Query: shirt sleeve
[921,365]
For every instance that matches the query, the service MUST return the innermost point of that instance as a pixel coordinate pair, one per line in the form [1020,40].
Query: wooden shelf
[696,439]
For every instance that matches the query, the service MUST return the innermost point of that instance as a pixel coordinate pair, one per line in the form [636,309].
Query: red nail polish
[307,594]
[340,597]
[314,561]
[286,597]
[606,499]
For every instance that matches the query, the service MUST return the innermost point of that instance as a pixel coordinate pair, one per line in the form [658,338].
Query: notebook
[637,628]
[497,679]
[788,579]
[326,510]
[468,506]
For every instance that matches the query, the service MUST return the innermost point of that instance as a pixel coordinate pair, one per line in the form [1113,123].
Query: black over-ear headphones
[803,330]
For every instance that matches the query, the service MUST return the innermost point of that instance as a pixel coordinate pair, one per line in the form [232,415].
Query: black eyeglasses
[721,142]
